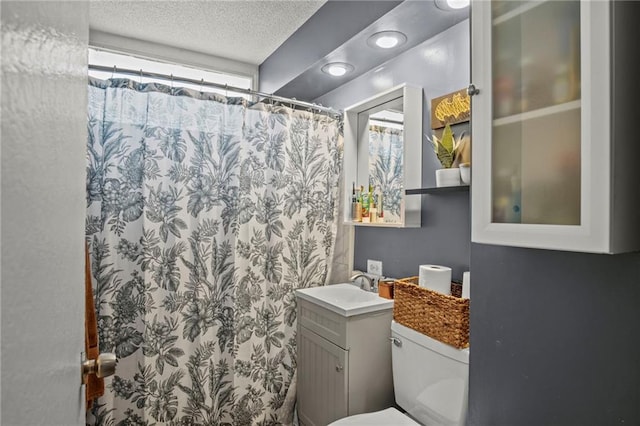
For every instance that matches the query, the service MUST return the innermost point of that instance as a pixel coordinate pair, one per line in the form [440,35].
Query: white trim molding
[150,50]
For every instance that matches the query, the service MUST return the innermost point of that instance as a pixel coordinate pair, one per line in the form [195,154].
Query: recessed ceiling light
[458,4]
[337,69]
[452,4]
[387,42]
[387,39]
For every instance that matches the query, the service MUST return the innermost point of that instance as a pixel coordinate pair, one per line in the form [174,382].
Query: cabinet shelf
[375,224]
[516,12]
[437,190]
[537,113]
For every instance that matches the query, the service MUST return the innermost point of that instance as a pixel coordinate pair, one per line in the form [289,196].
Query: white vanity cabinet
[555,124]
[344,363]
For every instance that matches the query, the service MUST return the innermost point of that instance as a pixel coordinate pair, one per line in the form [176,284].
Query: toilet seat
[387,417]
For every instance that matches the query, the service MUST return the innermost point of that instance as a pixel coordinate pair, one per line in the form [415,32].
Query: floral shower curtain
[204,213]
[385,168]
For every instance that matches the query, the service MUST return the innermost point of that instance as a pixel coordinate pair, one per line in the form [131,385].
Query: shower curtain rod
[387,120]
[202,82]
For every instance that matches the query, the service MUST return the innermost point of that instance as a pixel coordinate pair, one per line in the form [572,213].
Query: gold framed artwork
[450,109]
[454,109]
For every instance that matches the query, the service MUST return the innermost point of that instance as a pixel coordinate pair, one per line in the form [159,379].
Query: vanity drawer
[323,322]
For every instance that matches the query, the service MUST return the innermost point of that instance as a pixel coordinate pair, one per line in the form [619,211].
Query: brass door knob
[103,366]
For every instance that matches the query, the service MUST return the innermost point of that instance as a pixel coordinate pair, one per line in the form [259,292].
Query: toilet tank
[430,378]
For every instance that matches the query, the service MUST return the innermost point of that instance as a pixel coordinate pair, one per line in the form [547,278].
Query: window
[122,61]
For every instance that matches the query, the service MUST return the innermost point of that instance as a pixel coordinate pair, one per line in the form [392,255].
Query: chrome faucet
[369,285]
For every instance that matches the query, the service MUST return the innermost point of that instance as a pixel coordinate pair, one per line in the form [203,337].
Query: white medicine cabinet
[383,149]
[555,124]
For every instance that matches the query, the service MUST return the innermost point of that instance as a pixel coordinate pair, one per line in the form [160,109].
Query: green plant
[446,148]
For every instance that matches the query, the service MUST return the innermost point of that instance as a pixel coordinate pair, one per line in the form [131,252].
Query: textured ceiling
[242,30]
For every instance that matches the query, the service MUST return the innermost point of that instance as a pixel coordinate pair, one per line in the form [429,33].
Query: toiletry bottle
[373,211]
[358,217]
[353,202]
[365,207]
[380,206]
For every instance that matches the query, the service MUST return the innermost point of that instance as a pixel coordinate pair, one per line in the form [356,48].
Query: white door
[44,48]
[323,372]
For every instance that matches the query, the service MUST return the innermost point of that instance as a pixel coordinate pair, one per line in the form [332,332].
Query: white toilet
[430,383]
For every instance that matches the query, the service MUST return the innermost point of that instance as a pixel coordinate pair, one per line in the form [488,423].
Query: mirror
[383,136]
[383,152]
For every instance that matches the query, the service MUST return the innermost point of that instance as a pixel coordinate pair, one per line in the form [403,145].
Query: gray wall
[440,65]
[554,338]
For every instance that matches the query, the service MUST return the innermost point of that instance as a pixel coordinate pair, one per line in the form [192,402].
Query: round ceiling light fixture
[337,69]
[458,4]
[387,39]
[452,4]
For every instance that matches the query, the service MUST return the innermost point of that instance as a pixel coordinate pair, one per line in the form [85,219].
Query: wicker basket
[443,317]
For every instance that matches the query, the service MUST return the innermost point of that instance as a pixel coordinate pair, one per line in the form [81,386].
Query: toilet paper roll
[466,282]
[435,277]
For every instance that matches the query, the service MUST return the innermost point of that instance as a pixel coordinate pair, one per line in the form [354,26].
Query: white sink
[345,299]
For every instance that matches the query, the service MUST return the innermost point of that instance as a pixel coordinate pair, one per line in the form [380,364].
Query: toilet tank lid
[460,355]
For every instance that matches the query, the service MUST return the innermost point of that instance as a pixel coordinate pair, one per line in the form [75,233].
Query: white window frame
[106,48]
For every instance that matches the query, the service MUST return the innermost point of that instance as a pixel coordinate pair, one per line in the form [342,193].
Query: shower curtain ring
[201,84]
[226,93]
[113,73]
[171,81]
[140,75]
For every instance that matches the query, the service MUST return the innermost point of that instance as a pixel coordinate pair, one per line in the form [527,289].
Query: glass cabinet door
[535,112]
[554,119]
